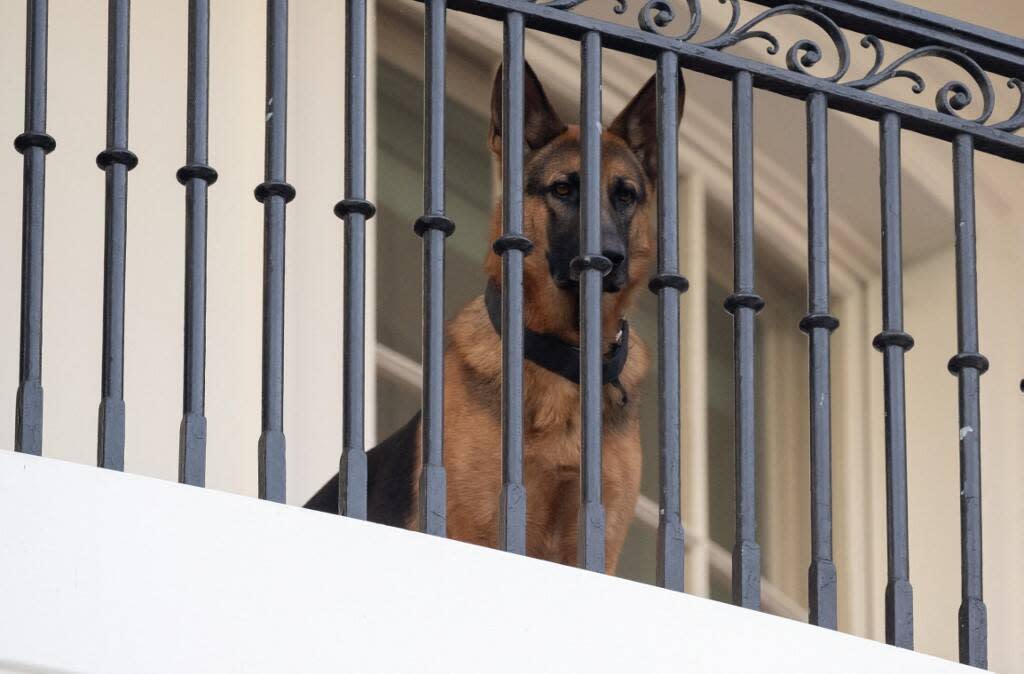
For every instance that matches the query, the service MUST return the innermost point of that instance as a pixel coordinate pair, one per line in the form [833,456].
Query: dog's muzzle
[617,276]
[566,274]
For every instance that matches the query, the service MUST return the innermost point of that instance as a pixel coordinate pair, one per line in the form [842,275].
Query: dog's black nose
[614,255]
[613,247]
[616,276]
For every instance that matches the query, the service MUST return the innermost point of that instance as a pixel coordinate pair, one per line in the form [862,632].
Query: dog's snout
[613,246]
[615,255]
[565,247]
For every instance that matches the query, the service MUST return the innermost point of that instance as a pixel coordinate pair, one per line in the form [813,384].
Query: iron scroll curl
[802,55]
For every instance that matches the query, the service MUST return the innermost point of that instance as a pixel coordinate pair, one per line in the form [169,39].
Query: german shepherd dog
[551,446]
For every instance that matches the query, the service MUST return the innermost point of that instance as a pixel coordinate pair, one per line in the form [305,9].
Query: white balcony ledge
[105,572]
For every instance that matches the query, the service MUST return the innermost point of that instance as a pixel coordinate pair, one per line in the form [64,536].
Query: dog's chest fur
[551,451]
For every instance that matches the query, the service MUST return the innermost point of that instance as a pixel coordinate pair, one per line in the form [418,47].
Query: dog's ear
[540,122]
[637,124]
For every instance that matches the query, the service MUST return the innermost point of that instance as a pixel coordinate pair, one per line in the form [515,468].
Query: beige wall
[155,265]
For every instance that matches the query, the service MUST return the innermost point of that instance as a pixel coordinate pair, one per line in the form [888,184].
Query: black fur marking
[326,498]
[390,467]
[618,207]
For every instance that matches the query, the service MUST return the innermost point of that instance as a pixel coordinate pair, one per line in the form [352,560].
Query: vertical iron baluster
[512,246]
[355,210]
[34,144]
[433,227]
[819,324]
[591,267]
[744,304]
[116,160]
[668,285]
[196,176]
[274,193]
[968,365]
[893,343]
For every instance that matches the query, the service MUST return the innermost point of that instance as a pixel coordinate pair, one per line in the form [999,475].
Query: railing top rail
[914,27]
[798,81]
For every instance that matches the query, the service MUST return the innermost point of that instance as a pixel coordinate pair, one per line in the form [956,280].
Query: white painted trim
[111,572]
[399,366]
[719,565]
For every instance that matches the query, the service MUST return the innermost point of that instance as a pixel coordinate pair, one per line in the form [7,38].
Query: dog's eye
[625,195]
[562,189]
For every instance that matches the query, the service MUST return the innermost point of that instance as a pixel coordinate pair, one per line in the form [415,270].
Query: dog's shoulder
[472,339]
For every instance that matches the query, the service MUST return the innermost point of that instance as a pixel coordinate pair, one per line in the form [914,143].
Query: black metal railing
[116,160]
[434,226]
[592,267]
[668,285]
[355,210]
[274,193]
[657,37]
[744,304]
[819,324]
[893,342]
[196,175]
[512,246]
[34,144]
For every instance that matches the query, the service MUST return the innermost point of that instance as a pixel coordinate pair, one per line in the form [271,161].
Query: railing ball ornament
[746,300]
[201,171]
[812,321]
[888,338]
[680,283]
[968,360]
[512,242]
[273,188]
[115,155]
[32,139]
[360,206]
[584,262]
[425,223]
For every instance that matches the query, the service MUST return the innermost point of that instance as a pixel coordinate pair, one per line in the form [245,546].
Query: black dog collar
[558,356]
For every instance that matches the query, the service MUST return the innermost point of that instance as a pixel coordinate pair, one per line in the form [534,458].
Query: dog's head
[551,201]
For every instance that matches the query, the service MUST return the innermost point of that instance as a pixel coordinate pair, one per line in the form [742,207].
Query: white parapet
[106,572]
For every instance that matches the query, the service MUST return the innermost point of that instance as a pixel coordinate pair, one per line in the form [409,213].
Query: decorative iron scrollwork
[1016,120]
[950,98]
[656,16]
[954,95]
[800,57]
[803,54]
